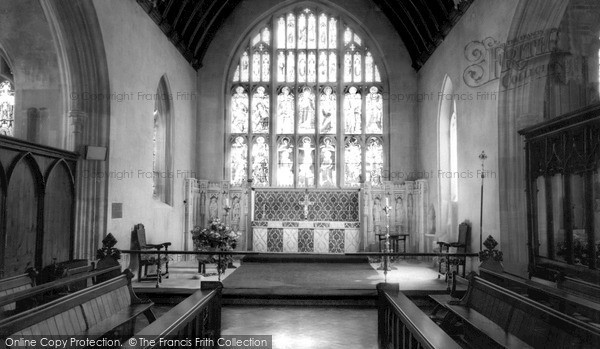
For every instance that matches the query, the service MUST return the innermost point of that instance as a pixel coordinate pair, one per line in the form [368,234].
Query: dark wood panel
[21,218]
[58,215]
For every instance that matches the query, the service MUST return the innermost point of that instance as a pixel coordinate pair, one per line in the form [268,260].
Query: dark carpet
[303,275]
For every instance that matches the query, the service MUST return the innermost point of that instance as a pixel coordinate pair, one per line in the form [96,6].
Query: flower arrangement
[216,237]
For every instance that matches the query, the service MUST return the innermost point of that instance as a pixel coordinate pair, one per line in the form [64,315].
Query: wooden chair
[145,260]
[464,231]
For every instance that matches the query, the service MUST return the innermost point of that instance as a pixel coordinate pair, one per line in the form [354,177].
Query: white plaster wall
[477,119]
[402,137]
[26,38]
[138,54]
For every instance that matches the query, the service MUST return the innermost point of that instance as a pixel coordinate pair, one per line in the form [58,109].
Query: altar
[302,220]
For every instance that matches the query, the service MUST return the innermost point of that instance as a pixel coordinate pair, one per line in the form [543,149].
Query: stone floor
[304,327]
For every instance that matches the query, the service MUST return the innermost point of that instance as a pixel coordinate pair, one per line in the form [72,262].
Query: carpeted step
[304,258]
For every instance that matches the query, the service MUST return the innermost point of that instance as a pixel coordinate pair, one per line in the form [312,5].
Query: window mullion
[340,166]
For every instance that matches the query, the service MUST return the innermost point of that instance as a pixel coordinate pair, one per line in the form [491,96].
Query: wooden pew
[196,317]
[401,324]
[12,285]
[108,309]
[566,302]
[579,287]
[494,317]
[40,294]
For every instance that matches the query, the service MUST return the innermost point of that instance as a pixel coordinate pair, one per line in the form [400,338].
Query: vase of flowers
[216,237]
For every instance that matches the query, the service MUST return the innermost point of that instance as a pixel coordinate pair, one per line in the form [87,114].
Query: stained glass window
[7,107]
[306,104]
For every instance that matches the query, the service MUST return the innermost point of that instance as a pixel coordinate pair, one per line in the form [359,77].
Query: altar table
[305,236]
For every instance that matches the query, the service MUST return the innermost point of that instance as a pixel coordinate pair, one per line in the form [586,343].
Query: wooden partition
[196,317]
[37,205]
[402,324]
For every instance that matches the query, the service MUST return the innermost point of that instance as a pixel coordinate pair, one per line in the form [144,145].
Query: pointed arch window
[7,99]
[162,172]
[306,104]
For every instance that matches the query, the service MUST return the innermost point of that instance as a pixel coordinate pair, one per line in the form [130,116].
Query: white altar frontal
[305,236]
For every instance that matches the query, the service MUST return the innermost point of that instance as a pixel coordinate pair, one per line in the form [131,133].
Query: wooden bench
[494,317]
[548,294]
[12,285]
[108,309]
[44,293]
[579,287]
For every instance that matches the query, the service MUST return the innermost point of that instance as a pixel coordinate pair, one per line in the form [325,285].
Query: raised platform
[300,279]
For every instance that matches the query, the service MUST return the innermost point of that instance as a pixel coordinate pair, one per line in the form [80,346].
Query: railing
[195,323]
[220,254]
[401,324]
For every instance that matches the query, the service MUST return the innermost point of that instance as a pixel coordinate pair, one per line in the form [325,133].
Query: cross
[306,203]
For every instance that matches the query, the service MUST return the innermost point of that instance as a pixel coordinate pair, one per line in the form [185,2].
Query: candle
[387,201]
[227,202]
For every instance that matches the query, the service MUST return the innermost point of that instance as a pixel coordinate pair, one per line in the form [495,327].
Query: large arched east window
[306,106]
[7,99]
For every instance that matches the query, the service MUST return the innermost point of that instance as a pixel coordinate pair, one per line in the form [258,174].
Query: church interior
[311,173]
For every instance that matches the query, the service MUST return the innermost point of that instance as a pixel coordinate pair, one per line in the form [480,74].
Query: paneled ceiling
[192,24]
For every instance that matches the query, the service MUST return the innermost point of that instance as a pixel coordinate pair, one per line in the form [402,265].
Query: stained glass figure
[245,63]
[353,161]
[357,67]
[256,66]
[239,161]
[280,67]
[291,31]
[260,162]
[260,111]
[368,67]
[374,109]
[291,70]
[301,31]
[348,67]
[285,170]
[7,108]
[352,111]
[306,175]
[281,40]
[332,33]
[266,36]
[357,40]
[327,163]
[302,66]
[311,69]
[266,69]
[328,105]
[322,31]
[377,76]
[347,36]
[332,67]
[374,161]
[239,111]
[285,111]
[312,31]
[323,66]
[306,111]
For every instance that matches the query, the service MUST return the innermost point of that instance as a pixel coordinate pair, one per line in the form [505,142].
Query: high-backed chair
[464,231]
[145,260]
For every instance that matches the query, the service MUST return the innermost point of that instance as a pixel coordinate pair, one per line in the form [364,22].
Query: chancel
[433,161]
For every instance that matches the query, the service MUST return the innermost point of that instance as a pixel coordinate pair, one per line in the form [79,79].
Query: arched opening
[162,179]
[305,104]
[448,162]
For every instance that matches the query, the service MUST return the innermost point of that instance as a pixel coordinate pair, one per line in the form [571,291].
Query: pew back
[12,285]
[87,312]
[534,323]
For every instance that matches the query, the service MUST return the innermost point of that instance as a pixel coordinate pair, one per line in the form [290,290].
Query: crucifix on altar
[306,203]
